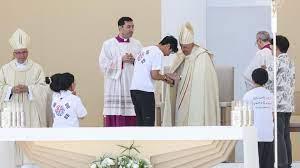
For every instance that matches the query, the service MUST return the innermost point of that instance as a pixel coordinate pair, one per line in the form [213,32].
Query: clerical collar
[21,66]
[267,46]
[121,40]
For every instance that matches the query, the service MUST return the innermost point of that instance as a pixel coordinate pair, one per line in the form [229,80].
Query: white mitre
[19,40]
[186,35]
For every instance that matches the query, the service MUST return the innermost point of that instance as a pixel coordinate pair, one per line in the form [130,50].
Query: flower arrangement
[127,159]
[105,161]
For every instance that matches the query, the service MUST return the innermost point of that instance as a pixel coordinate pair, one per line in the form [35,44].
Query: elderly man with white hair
[22,83]
[262,59]
[194,98]
[23,93]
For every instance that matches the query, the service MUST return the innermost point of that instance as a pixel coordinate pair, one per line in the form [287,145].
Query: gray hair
[263,35]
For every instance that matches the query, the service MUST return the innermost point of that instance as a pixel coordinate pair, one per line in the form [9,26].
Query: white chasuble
[33,102]
[197,93]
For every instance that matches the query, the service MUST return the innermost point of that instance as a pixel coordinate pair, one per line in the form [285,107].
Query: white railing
[246,134]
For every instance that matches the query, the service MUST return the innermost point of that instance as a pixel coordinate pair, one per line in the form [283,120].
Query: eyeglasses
[21,52]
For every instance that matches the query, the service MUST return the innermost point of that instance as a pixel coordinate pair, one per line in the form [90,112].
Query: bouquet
[127,159]
[105,161]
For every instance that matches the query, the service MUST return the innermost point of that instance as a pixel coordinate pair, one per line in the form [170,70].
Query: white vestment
[262,57]
[34,102]
[32,75]
[195,101]
[117,76]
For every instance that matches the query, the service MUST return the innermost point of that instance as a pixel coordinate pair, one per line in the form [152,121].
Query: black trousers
[144,107]
[284,140]
[266,154]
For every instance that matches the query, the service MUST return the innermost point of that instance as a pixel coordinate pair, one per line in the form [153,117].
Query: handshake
[172,78]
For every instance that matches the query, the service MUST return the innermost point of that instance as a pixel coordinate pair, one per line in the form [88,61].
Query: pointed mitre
[186,35]
[19,40]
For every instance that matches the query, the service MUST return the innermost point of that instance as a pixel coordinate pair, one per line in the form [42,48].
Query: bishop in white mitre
[22,83]
[194,99]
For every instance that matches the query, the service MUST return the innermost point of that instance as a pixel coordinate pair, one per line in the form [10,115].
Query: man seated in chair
[193,100]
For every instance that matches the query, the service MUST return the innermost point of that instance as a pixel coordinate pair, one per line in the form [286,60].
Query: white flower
[93,165]
[107,162]
[135,165]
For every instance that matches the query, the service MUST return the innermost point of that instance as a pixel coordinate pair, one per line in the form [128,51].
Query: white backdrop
[231,32]
[227,28]
[174,13]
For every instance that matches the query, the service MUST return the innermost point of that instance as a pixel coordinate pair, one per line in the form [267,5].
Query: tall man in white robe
[262,59]
[116,62]
[194,99]
[22,82]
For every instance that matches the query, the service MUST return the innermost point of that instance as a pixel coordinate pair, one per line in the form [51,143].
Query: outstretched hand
[174,77]
[169,80]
